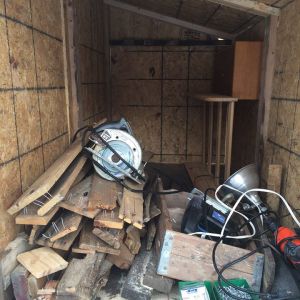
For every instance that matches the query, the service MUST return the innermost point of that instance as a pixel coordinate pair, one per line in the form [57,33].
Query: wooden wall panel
[157,104]
[33,117]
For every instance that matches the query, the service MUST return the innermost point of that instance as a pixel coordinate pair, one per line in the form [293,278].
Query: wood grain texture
[182,252]
[29,216]
[103,194]
[41,262]
[109,236]
[90,241]
[132,205]
[78,198]
[133,239]
[124,260]
[62,187]
[109,219]
[43,184]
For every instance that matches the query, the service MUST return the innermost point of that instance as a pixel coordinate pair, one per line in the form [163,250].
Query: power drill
[288,242]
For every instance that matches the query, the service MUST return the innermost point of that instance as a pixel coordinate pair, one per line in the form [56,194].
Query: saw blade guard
[126,146]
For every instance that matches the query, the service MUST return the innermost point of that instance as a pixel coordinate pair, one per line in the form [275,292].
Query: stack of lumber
[79,225]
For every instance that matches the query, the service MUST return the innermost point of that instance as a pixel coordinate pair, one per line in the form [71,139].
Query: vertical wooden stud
[218,142]
[228,138]
[210,137]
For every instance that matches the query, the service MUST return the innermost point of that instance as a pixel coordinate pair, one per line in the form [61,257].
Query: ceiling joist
[250,6]
[171,20]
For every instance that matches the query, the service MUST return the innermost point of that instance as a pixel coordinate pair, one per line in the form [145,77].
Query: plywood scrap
[104,193]
[63,243]
[123,260]
[89,241]
[61,188]
[66,223]
[41,262]
[46,181]
[29,215]
[133,240]
[78,198]
[181,253]
[19,279]
[109,219]
[132,205]
[9,257]
[81,277]
[109,236]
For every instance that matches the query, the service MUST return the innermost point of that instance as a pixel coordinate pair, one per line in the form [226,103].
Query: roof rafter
[171,20]
[250,6]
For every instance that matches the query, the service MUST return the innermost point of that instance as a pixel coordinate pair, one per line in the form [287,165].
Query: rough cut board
[29,216]
[36,230]
[104,193]
[63,243]
[78,197]
[189,258]
[65,223]
[41,262]
[44,183]
[109,219]
[124,260]
[109,236]
[62,187]
[132,205]
[91,242]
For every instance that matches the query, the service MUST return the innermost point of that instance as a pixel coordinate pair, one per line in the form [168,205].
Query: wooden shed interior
[68,63]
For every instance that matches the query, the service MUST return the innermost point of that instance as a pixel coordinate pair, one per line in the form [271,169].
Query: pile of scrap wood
[80,226]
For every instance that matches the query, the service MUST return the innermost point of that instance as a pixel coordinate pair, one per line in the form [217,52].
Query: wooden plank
[44,183]
[104,193]
[218,142]
[29,215]
[204,134]
[268,66]
[151,232]
[91,242]
[9,257]
[133,205]
[78,198]
[124,260]
[109,236]
[213,98]
[66,223]
[63,243]
[171,20]
[274,184]
[228,139]
[63,185]
[41,262]
[81,278]
[72,74]
[109,219]
[250,6]
[133,239]
[181,252]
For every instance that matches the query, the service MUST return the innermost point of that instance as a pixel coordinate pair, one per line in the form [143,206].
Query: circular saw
[115,152]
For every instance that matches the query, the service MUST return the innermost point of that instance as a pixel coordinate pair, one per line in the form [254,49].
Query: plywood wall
[151,88]
[91,89]
[33,105]
[283,145]
[33,117]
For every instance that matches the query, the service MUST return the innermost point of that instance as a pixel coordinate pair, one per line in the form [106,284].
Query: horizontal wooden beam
[171,20]
[250,6]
